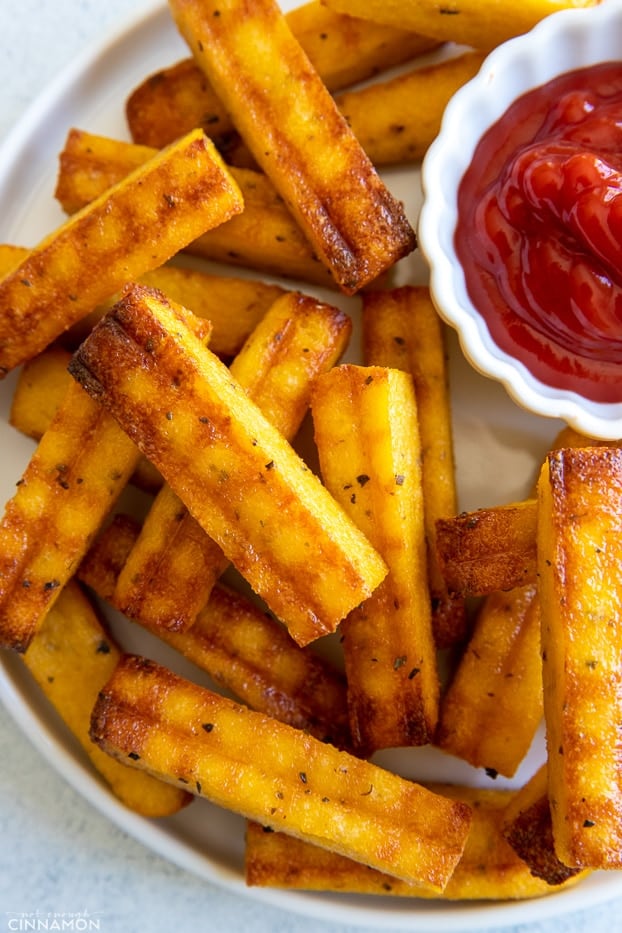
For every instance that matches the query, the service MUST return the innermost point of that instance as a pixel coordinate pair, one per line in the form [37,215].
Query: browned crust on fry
[299,138]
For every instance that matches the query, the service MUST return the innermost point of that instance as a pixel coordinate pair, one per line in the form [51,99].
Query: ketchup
[539,233]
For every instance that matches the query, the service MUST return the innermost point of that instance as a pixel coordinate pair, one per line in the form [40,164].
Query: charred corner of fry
[297,135]
[233,470]
[284,778]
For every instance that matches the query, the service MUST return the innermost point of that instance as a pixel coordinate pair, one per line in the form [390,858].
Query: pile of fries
[141,368]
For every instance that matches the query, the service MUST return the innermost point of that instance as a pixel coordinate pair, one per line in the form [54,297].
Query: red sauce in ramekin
[539,233]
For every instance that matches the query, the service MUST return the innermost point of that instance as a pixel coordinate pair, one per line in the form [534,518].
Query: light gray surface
[57,855]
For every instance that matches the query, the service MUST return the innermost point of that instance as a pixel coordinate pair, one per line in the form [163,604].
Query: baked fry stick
[487,870]
[264,236]
[271,773]
[290,123]
[241,647]
[171,570]
[493,705]
[342,49]
[365,424]
[134,227]
[71,657]
[402,330]
[480,23]
[397,119]
[233,470]
[579,535]
[74,477]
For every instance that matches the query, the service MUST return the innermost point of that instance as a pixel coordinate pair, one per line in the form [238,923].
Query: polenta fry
[290,123]
[240,646]
[134,227]
[264,236]
[366,432]
[73,479]
[402,329]
[233,470]
[283,778]
[171,570]
[482,24]
[579,530]
[487,870]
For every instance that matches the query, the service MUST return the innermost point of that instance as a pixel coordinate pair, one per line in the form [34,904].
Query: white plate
[498,448]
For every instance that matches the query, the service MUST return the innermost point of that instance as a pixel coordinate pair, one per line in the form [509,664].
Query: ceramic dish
[498,447]
[563,42]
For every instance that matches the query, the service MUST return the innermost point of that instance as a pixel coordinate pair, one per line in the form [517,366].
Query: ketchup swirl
[540,231]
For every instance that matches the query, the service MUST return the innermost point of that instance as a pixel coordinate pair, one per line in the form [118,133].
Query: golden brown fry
[233,306]
[264,236]
[397,119]
[71,657]
[493,705]
[170,573]
[366,431]
[41,387]
[579,534]
[290,123]
[487,870]
[279,776]
[528,828]
[134,227]
[233,470]
[343,50]
[480,23]
[74,477]
[401,329]
[488,549]
[241,647]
